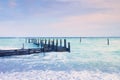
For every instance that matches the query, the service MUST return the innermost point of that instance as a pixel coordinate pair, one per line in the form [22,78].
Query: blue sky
[59,18]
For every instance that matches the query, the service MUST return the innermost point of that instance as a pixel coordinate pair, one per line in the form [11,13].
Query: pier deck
[42,47]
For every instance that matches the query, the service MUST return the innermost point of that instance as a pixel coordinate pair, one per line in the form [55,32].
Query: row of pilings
[43,45]
[48,45]
[107,41]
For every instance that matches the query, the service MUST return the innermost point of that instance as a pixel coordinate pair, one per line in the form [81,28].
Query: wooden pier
[42,47]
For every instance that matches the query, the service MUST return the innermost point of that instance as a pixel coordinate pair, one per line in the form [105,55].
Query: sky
[59,18]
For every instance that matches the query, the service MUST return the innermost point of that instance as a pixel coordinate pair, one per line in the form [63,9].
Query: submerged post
[29,40]
[49,43]
[25,40]
[38,42]
[45,41]
[53,44]
[56,44]
[64,43]
[108,42]
[41,43]
[23,46]
[69,46]
[80,39]
[60,42]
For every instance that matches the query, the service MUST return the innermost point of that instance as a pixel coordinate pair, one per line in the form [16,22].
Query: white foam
[8,48]
[59,75]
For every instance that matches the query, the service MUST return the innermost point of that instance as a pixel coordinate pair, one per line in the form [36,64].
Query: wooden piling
[69,46]
[53,44]
[60,42]
[45,41]
[29,40]
[49,43]
[32,40]
[25,40]
[108,42]
[56,45]
[23,46]
[64,43]
[38,42]
[41,43]
[80,39]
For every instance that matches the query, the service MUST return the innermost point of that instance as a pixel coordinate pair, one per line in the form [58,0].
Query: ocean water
[90,59]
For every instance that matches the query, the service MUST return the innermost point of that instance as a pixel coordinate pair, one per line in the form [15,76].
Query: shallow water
[92,59]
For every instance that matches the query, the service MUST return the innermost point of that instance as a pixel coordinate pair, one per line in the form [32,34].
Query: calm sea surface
[90,59]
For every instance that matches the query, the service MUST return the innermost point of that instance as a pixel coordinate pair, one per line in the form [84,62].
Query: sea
[91,58]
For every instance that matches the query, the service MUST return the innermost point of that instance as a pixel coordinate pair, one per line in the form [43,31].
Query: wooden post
[49,43]
[80,39]
[64,43]
[41,46]
[23,46]
[25,40]
[38,42]
[29,40]
[108,42]
[41,43]
[45,41]
[56,44]
[53,44]
[45,45]
[69,46]
[32,40]
[60,42]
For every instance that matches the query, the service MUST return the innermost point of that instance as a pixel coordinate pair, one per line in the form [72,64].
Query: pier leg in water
[108,42]
[56,44]
[25,40]
[60,42]
[23,46]
[53,45]
[80,39]
[44,50]
[29,40]
[64,43]
[49,43]
[69,46]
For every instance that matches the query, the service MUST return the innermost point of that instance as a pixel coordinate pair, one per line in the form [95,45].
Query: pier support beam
[53,44]
[56,45]
[64,43]
[69,46]
[108,42]
[80,39]
[60,42]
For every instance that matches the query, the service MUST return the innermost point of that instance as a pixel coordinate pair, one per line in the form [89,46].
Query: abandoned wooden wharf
[42,47]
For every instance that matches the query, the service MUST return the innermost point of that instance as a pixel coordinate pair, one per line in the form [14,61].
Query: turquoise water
[92,59]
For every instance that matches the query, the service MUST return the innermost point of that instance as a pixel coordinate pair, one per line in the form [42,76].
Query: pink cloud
[90,24]
[94,18]
[110,4]
[12,3]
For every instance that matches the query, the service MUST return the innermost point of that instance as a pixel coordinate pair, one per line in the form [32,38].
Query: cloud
[12,3]
[104,3]
[89,25]
[76,17]
[93,18]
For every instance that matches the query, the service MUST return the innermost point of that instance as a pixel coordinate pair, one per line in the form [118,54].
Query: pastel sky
[59,18]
